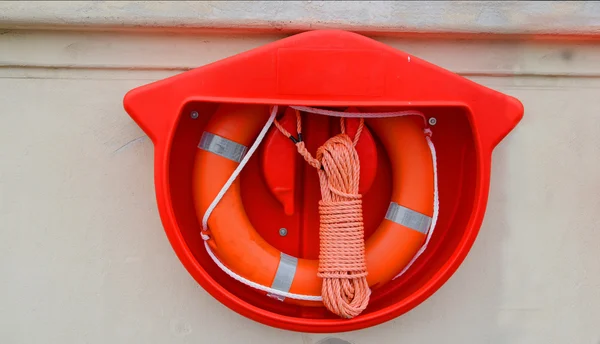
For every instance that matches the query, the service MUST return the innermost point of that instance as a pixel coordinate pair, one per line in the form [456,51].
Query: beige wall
[84,259]
[506,17]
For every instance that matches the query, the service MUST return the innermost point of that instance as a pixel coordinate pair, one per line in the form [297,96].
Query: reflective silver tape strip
[222,146]
[408,218]
[285,274]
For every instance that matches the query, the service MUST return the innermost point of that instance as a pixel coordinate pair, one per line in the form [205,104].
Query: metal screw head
[194,114]
[432,121]
[333,341]
[283,231]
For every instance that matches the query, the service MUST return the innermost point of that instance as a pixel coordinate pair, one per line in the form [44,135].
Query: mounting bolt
[432,121]
[333,341]
[194,114]
[283,231]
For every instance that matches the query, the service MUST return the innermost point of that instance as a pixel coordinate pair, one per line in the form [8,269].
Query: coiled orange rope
[342,264]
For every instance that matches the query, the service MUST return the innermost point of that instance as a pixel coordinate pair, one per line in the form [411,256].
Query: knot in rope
[342,264]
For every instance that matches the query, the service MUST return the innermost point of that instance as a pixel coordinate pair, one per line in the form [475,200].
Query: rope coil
[342,264]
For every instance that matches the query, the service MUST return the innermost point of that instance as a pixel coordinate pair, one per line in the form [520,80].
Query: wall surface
[495,17]
[83,256]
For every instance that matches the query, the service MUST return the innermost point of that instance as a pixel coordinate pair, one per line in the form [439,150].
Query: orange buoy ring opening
[238,246]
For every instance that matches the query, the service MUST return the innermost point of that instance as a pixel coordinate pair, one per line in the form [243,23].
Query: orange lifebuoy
[237,244]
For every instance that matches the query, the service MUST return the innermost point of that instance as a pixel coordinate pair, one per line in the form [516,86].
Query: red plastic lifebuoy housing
[325,68]
[239,246]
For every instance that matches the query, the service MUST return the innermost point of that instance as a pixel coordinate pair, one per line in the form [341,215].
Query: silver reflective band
[222,146]
[408,218]
[284,275]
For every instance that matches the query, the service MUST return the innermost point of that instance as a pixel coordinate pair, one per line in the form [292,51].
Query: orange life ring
[237,244]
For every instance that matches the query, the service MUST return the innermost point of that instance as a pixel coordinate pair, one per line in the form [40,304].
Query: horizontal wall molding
[533,18]
[128,51]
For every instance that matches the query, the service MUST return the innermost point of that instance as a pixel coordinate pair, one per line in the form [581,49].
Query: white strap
[259,138]
[408,218]
[221,146]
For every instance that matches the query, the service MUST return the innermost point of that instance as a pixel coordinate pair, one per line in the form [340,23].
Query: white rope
[256,285]
[359,114]
[436,205]
[251,151]
[237,171]
[216,201]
